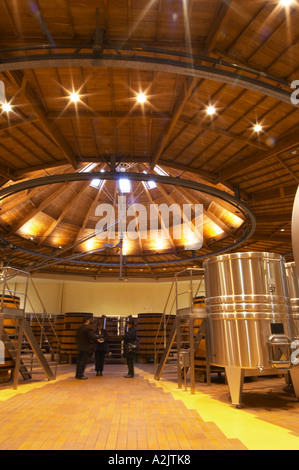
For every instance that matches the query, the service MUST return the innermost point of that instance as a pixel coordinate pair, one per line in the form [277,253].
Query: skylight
[96,183]
[149,184]
[161,172]
[124,185]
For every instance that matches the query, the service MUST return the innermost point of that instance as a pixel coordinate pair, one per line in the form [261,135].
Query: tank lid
[243,255]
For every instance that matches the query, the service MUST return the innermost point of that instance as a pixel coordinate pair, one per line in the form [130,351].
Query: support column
[19,328]
[295,380]
[192,353]
[235,380]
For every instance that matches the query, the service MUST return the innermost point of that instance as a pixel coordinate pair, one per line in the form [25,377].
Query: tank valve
[279,347]
[260,368]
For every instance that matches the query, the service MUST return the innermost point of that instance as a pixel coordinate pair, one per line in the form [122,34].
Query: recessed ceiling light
[285,3]
[257,128]
[141,98]
[74,97]
[211,110]
[6,107]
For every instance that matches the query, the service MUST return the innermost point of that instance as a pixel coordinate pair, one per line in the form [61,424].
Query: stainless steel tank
[249,309]
[250,317]
[293,286]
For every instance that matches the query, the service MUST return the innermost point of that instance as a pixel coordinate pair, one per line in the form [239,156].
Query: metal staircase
[16,334]
[189,328]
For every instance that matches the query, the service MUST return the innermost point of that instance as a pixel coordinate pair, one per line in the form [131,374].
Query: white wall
[103,298]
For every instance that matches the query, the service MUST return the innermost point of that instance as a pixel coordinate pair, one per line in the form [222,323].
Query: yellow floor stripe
[235,423]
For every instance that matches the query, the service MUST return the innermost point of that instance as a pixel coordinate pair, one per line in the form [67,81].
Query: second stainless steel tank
[249,311]
[293,285]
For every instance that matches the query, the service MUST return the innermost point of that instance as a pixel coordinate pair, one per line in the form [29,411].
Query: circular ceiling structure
[74,222]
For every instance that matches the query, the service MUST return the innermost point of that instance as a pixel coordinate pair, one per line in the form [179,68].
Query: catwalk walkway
[114,413]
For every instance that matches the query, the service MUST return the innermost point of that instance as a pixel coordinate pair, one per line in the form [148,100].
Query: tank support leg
[235,380]
[295,379]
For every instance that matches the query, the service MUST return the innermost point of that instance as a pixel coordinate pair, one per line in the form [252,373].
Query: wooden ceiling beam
[171,201]
[227,134]
[20,81]
[274,218]
[163,227]
[63,213]
[14,124]
[286,142]
[98,114]
[277,192]
[7,172]
[90,211]
[19,224]
[206,205]
[217,25]
[175,117]
[267,237]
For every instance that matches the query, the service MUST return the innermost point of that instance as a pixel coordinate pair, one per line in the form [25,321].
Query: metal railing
[161,339]
[21,300]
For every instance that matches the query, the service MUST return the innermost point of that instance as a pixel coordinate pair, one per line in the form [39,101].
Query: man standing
[101,347]
[85,338]
[130,348]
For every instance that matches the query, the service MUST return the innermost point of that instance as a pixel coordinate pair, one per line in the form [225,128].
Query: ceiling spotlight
[141,98]
[211,110]
[6,107]
[74,97]
[257,128]
[285,3]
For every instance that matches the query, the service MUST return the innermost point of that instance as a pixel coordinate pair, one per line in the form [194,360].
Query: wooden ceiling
[238,56]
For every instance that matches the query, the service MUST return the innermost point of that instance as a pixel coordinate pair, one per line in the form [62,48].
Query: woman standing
[101,348]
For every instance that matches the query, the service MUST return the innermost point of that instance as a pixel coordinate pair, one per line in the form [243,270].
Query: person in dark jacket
[85,338]
[130,337]
[101,348]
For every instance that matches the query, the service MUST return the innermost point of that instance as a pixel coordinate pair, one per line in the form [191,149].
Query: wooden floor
[114,413]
